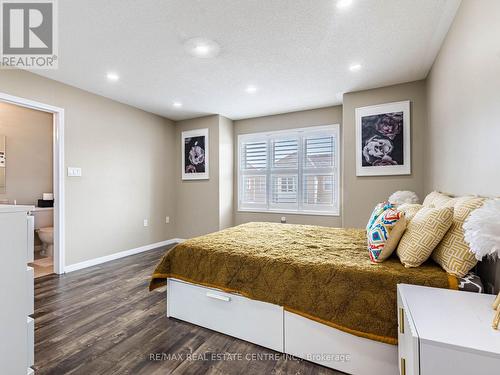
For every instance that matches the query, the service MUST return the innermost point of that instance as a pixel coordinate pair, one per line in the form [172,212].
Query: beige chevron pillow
[423,233]
[436,199]
[453,253]
[410,210]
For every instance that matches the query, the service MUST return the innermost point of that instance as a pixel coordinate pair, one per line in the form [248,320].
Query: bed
[304,290]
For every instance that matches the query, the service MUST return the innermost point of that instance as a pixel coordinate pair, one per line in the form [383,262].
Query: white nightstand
[444,331]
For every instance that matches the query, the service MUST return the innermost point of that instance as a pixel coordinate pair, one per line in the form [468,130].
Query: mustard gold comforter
[324,274]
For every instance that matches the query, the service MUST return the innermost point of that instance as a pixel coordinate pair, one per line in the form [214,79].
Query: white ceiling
[297,52]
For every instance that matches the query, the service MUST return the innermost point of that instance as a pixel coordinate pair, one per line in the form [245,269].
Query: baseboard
[121,254]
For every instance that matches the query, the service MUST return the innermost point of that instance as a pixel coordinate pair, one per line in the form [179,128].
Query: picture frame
[195,154]
[383,139]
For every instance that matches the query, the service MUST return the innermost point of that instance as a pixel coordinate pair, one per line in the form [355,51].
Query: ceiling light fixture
[177,104]
[251,89]
[112,77]
[355,67]
[343,3]
[202,48]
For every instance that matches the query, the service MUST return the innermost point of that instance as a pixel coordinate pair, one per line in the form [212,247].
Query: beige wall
[226,165]
[360,194]
[28,152]
[315,117]
[197,201]
[463,93]
[463,135]
[205,206]
[124,154]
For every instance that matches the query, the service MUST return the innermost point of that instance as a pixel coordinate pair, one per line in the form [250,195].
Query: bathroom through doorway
[32,162]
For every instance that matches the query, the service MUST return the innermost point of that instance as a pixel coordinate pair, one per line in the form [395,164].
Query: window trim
[335,212]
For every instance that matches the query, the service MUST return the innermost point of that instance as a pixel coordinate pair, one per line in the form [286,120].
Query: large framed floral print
[383,145]
[195,154]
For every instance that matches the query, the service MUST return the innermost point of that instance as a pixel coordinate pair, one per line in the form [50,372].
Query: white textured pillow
[403,196]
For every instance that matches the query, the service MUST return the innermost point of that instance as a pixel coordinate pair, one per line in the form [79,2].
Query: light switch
[74,172]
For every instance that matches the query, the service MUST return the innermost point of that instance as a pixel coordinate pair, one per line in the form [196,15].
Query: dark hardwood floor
[103,320]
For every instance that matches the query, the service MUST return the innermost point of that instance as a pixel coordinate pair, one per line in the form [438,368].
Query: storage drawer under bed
[250,320]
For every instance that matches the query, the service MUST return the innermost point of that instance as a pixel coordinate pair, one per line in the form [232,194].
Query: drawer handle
[219,297]
[403,366]
[401,320]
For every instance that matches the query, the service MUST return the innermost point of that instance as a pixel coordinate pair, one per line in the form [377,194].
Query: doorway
[58,250]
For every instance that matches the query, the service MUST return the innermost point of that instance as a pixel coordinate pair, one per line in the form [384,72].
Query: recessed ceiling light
[251,89]
[343,3]
[355,67]
[177,104]
[112,76]
[202,47]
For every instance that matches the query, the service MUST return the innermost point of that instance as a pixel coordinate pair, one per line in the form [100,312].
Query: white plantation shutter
[289,171]
[253,171]
[285,153]
[319,151]
[284,191]
[319,171]
[284,172]
[254,155]
[254,191]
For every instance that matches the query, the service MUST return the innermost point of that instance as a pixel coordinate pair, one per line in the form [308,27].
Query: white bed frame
[273,327]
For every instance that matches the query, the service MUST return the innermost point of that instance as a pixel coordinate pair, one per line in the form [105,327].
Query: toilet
[46,235]
[44,228]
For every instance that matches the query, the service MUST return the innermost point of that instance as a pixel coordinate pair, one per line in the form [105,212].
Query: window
[290,171]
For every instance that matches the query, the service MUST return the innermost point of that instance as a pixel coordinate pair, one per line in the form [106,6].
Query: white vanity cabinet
[443,331]
[16,291]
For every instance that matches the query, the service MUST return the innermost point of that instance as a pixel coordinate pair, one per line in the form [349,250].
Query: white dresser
[16,291]
[444,331]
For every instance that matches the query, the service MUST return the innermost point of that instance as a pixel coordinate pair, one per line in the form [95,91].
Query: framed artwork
[195,154]
[383,145]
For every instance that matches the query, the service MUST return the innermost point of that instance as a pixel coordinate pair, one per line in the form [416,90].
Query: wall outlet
[146,223]
[283,219]
[74,172]
[167,219]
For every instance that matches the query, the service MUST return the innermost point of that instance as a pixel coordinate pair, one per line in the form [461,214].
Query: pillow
[453,253]
[385,233]
[424,232]
[410,210]
[379,208]
[403,196]
[436,199]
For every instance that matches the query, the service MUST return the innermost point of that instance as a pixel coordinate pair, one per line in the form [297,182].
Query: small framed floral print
[383,145]
[195,154]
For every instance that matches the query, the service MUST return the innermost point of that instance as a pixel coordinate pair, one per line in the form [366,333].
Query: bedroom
[277,126]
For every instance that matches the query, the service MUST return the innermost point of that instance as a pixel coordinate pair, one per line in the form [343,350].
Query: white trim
[121,254]
[387,170]
[290,212]
[189,134]
[58,169]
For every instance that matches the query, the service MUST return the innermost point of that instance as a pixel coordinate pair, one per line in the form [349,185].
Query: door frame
[58,175]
